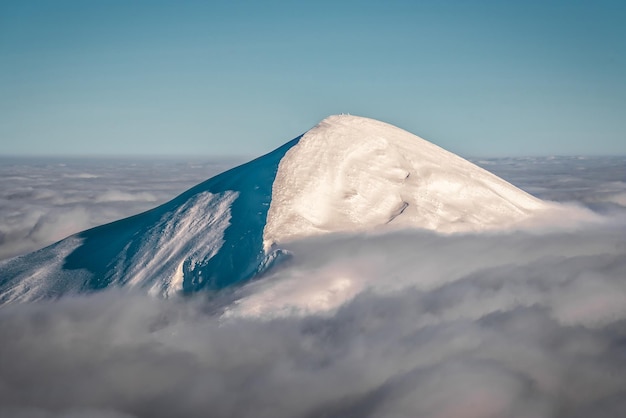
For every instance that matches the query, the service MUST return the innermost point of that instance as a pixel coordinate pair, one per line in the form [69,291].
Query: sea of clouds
[405,324]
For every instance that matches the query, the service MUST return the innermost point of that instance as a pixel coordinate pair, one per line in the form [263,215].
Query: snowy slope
[209,237]
[351,173]
[347,174]
[190,233]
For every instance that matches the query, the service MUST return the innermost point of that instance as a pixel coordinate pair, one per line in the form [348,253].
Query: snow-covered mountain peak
[347,174]
[351,174]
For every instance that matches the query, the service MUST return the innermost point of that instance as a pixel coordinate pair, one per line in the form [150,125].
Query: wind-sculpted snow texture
[208,237]
[357,174]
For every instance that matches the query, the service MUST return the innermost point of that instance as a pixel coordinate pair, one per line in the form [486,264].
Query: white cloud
[398,325]
[119,196]
[519,325]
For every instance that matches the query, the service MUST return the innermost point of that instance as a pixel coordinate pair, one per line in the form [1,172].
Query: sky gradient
[480,78]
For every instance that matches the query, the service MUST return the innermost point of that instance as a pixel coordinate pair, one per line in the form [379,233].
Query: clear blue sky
[480,78]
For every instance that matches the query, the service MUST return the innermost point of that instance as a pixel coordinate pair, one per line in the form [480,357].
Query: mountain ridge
[346,174]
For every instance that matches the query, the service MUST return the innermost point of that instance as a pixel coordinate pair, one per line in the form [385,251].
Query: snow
[192,233]
[209,237]
[353,174]
[35,275]
[347,174]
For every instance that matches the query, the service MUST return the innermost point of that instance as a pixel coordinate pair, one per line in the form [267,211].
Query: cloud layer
[398,325]
[45,200]
[598,183]
[475,326]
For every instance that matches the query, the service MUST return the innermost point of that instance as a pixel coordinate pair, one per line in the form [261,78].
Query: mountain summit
[347,174]
[351,173]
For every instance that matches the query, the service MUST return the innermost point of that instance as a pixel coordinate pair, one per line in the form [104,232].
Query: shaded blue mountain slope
[108,253]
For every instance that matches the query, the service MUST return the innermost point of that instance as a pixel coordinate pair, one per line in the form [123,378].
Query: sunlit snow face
[353,174]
